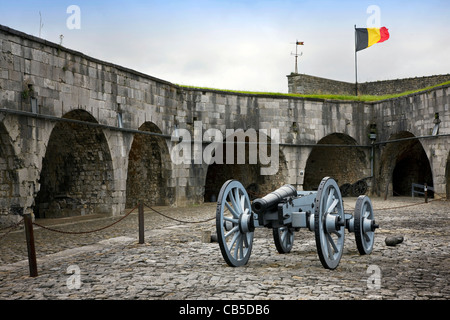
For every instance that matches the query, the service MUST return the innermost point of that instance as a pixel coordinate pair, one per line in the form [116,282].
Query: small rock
[206,236]
[393,241]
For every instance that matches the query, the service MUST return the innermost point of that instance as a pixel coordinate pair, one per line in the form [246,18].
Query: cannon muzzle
[272,200]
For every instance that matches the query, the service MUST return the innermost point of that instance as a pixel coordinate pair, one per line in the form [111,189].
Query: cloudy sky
[245,44]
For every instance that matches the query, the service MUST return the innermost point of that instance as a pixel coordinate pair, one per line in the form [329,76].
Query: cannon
[287,211]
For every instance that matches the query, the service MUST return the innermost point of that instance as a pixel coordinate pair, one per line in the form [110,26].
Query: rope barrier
[181,221]
[99,229]
[162,214]
[393,208]
[404,206]
[11,228]
[30,237]
[85,232]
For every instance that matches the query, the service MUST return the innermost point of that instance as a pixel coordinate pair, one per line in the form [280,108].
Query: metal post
[425,189]
[141,222]
[372,155]
[30,244]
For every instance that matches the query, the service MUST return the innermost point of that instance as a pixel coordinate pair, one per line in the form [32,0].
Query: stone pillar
[119,145]
[438,154]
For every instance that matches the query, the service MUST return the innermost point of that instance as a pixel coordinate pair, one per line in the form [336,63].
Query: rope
[84,232]
[99,229]
[10,229]
[162,214]
[12,226]
[393,208]
[404,206]
[181,221]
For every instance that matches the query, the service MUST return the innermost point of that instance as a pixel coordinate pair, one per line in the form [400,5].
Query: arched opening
[77,174]
[245,166]
[346,165]
[9,184]
[404,163]
[148,169]
[412,166]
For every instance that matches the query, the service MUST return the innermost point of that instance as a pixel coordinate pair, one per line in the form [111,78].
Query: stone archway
[346,165]
[246,169]
[149,169]
[9,181]
[402,164]
[77,171]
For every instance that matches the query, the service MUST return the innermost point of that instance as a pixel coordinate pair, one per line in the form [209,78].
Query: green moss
[363,98]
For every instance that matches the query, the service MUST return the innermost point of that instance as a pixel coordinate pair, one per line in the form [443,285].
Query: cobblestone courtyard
[175,264]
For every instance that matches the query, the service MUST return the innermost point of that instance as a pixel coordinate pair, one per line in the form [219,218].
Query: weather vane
[297,43]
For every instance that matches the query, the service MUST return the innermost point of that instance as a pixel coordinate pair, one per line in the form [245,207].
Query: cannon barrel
[271,200]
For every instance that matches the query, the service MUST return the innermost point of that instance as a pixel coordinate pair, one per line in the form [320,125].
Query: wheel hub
[246,223]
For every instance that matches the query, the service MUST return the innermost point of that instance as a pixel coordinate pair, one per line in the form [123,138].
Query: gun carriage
[286,211]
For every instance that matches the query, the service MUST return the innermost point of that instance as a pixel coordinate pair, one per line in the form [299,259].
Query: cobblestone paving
[175,264]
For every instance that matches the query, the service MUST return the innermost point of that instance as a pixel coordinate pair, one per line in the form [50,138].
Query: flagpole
[296,56]
[356,66]
[297,43]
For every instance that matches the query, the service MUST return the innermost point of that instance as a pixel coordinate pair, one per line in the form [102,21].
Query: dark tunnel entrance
[77,171]
[413,167]
[346,165]
[148,169]
[408,162]
[248,173]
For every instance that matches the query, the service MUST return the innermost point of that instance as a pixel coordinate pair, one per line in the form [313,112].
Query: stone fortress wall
[307,84]
[79,135]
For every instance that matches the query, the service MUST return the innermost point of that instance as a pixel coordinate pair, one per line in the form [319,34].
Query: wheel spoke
[235,229]
[236,203]
[234,213]
[238,247]
[243,204]
[367,236]
[233,203]
[245,241]
[283,235]
[337,233]
[331,242]
[287,238]
[330,197]
[233,241]
[234,221]
[333,206]
[366,211]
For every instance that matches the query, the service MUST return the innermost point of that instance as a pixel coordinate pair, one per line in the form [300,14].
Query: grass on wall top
[363,98]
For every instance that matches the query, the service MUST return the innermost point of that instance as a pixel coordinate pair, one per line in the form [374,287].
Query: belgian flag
[365,37]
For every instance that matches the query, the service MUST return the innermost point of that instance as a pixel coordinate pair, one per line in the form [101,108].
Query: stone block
[4,74]
[35,68]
